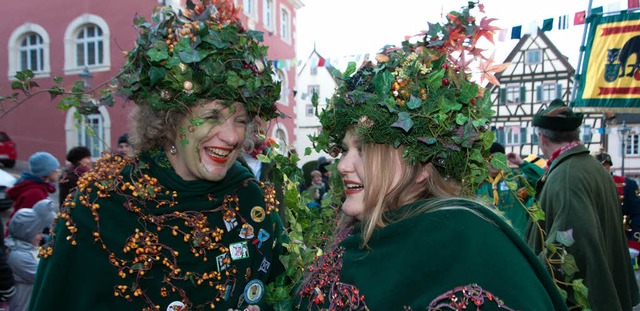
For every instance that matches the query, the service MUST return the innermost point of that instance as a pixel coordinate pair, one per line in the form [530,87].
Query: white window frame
[549,92]
[250,8]
[31,54]
[309,110]
[268,14]
[76,135]
[631,145]
[13,48]
[529,58]
[513,94]
[285,24]
[70,40]
[280,75]
[586,134]
[313,89]
[281,135]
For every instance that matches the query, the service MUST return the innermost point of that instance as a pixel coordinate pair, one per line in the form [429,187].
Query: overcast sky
[347,27]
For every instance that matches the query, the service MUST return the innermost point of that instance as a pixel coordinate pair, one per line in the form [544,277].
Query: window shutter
[503,96]
[539,93]
[523,135]
[500,136]
[559,90]
[523,94]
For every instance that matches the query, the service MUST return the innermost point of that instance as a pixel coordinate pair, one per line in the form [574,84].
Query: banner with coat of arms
[610,79]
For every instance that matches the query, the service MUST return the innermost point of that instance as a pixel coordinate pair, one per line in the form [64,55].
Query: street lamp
[623,131]
[87,105]
[86,77]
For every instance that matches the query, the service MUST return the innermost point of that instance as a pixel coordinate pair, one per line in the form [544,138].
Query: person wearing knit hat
[80,162]
[124,147]
[37,183]
[25,233]
[576,193]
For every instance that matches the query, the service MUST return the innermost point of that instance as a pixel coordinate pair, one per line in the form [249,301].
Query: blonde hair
[381,195]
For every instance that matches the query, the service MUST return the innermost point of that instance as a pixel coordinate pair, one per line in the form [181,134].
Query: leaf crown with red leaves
[419,96]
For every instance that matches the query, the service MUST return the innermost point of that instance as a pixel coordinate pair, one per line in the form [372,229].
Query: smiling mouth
[353,187]
[218,154]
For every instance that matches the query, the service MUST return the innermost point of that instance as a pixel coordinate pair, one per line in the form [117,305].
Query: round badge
[253,292]
[258,214]
[176,306]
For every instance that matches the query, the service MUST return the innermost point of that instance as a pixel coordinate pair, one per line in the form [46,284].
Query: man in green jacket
[580,201]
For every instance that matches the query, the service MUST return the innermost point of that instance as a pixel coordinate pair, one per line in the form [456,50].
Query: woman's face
[214,135]
[351,169]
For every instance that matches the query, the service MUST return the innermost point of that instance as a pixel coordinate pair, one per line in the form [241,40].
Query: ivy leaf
[156,74]
[351,68]
[307,151]
[461,119]
[107,99]
[158,52]
[428,140]
[435,80]
[404,121]
[580,293]
[382,83]
[57,80]
[499,162]
[569,265]
[414,103]
[214,39]
[468,92]
[565,237]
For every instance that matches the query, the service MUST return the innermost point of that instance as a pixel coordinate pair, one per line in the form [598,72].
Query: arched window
[282,138]
[281,76]
[94,131]
[29,50]
[87,45]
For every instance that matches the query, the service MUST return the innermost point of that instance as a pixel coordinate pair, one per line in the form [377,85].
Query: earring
[173,150]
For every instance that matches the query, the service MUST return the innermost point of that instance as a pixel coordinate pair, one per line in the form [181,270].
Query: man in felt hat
[579,199]
[629,201]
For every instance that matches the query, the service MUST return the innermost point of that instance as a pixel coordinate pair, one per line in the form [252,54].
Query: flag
[327,62]
[633,4]
[563,22]
[579,18]
[502,35]
[597,10]
[547,24]
[607,82]
[321,62]
[532,28]
[515,32]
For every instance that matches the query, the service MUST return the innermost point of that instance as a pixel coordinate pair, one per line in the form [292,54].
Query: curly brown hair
[153,128]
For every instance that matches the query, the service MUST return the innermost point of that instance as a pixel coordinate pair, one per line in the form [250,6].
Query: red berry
[445,81]
[445,66]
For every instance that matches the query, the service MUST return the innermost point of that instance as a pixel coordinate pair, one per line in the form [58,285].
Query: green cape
[82,278]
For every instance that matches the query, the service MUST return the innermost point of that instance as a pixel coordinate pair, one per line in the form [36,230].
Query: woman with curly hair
[182,225]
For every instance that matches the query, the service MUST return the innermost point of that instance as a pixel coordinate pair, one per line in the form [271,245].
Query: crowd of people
[186,214]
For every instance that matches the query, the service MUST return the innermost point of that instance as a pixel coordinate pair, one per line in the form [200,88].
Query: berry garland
[143,249]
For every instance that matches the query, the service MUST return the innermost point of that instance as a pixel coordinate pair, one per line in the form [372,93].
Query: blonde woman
[411,131]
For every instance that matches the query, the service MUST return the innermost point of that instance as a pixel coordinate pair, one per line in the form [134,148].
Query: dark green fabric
[413,261]
[81,278]
[578,193]
[559,120]
[508,203]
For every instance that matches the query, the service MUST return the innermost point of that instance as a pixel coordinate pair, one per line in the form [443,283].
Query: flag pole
[582,47]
